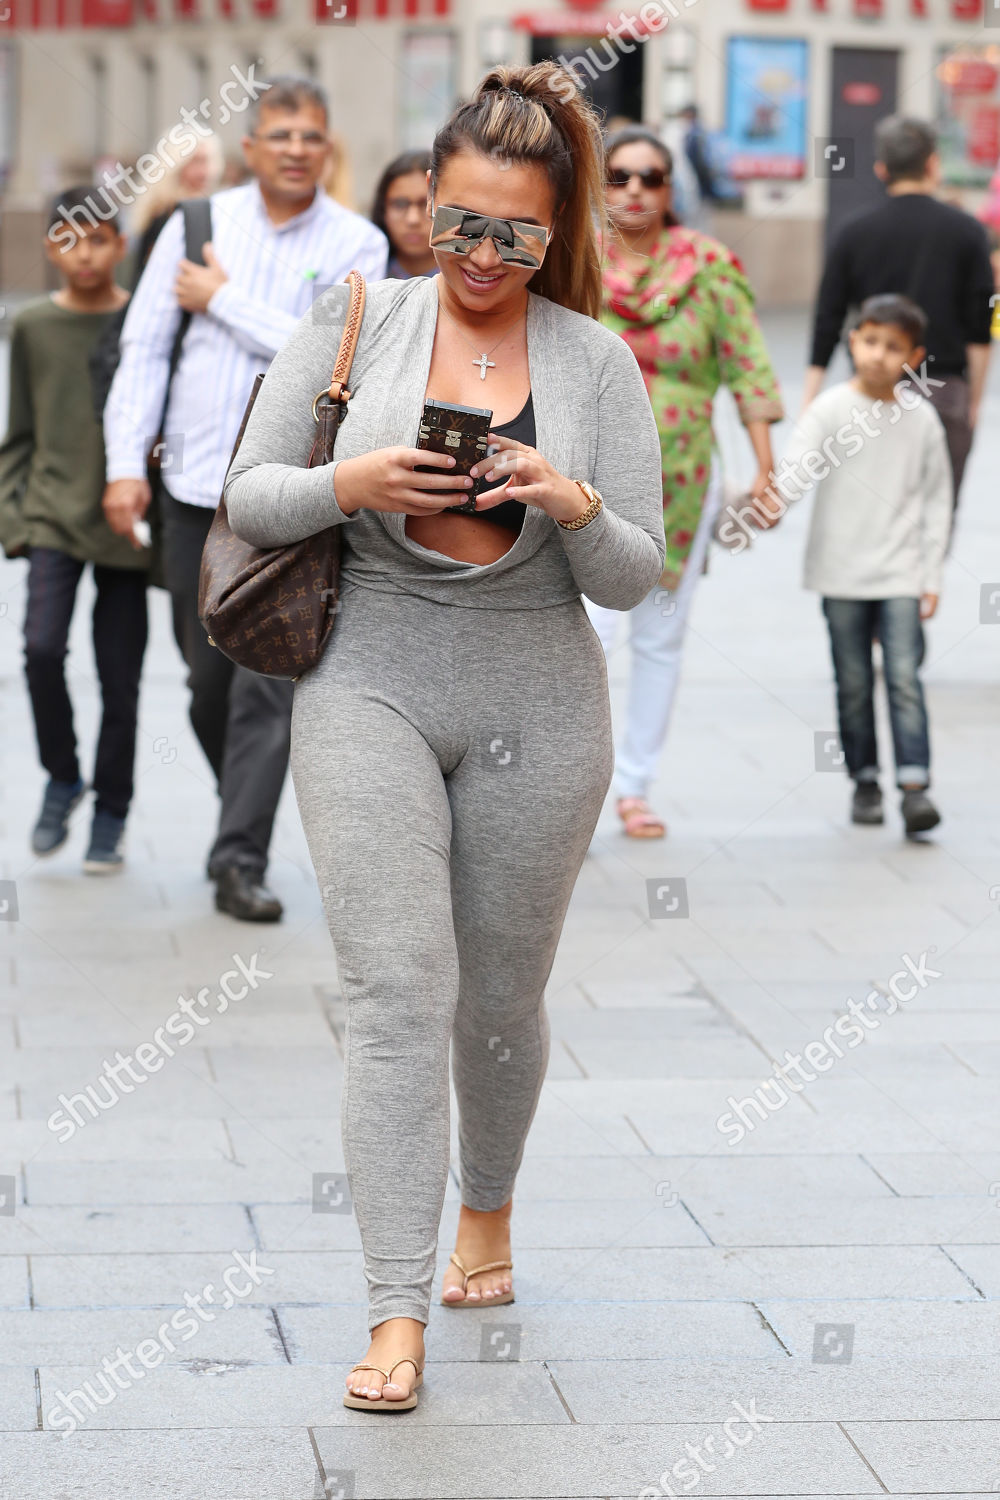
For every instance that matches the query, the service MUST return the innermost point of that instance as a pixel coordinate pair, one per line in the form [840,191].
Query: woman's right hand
[385,480]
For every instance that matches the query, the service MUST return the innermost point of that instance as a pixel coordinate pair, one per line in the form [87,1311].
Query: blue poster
[767,83]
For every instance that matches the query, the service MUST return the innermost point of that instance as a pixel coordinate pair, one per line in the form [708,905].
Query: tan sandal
[641,822]
[365,1403]
[493,1265]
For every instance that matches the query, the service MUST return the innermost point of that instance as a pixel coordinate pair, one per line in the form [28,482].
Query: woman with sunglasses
[452,749]
[682,303]
[400,211]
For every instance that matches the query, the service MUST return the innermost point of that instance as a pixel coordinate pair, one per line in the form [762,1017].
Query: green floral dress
[689,320]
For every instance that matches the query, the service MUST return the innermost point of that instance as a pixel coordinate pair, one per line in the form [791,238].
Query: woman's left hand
[767,505]
[530,479]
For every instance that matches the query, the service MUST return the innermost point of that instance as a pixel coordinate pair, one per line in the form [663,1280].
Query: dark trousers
[119,634]
[853,624]
[951,402]
[242,719]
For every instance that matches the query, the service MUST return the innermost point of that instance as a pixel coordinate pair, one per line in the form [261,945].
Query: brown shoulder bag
[272,609]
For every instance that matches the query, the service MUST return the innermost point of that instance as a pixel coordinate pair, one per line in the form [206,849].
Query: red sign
[984,135]
[970,75]
[767,4]
[966,10]
[343,12]
[745,166]
[868,10]
[864,94]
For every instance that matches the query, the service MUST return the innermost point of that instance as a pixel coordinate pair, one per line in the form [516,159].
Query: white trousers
[657,626]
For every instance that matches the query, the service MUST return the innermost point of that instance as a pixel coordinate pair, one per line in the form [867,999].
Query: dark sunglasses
[653,177]
[457,232]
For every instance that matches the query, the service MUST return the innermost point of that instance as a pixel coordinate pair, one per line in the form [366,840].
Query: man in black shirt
[921,248]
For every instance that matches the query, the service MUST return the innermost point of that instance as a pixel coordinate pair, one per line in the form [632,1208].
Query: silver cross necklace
[484,362]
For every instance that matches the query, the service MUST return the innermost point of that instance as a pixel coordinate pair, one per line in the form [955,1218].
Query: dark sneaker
[52,829]
[104,857]
[866,806]
[919,812]
[239,892]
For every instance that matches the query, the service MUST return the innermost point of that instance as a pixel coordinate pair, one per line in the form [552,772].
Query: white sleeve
[936,493]
[259,326]
[134,407]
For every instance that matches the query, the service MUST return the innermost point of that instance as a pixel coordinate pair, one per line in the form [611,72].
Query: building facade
[791,88]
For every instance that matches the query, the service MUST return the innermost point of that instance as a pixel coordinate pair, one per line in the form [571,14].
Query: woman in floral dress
[682,303]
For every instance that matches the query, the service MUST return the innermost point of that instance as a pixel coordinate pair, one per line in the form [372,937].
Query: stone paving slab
[18,1407]
[111,1138]
[122,1229]
[585,1224]
[84,1336]
[672,1331]
[824,1219]
[161,1280]
[788,1390]
[212,1465]
[221,1394]
[937,1172]
[917,1333]
[785,1458]
[936,1457]
[13,1281]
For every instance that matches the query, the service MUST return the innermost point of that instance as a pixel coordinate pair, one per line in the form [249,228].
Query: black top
[522,429]
[928,251]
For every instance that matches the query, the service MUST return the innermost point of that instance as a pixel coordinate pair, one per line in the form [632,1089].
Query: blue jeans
[853,624]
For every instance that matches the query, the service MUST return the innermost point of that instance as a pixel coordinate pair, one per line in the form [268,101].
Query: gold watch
[594,508]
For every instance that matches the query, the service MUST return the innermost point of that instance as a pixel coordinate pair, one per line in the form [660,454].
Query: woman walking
[682,303]
[452,749]
[400,211]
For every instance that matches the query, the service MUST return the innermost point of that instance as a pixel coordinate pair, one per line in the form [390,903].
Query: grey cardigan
[593,421]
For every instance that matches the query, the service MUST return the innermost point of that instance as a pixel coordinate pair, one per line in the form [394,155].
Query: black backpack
[106,354]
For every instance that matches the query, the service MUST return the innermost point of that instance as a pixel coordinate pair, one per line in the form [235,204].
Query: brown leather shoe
[238,892]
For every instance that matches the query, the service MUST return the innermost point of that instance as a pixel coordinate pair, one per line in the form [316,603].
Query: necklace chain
[484,358]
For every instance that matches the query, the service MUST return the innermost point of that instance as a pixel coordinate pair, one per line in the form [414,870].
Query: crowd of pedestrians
[527,266]
[219,286]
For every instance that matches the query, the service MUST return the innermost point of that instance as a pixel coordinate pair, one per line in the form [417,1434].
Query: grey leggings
[450,764]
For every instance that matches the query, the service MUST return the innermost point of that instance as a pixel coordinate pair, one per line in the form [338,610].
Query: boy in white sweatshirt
[874,449]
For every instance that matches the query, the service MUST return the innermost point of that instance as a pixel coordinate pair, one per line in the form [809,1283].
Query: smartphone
[460,431]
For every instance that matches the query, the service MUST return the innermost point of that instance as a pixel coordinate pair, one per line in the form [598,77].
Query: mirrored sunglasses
[457,232]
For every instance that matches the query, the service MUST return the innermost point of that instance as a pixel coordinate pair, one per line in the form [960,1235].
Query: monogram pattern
[272,609]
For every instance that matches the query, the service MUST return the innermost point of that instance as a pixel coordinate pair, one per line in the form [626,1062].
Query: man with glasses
[276,242]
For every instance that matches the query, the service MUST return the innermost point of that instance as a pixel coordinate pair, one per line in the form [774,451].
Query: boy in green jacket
[51,483]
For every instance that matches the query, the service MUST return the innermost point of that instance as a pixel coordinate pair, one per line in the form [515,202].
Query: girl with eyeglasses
[682,303]
[400,211]
[452,749]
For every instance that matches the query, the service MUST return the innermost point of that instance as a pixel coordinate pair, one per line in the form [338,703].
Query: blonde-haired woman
[452,749]
[195,175]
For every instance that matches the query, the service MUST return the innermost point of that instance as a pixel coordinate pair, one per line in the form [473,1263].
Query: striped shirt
[275,271]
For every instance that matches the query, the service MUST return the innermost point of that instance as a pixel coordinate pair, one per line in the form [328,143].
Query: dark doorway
[612,84]
[864,92]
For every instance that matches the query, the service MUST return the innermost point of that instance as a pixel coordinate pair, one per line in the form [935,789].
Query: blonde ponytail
[538,114]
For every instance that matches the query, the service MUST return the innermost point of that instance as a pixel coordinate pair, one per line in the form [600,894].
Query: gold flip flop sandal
[493,1265]
[364,1403]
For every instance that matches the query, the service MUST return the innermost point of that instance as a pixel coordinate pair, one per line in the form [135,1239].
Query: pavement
[724,1287]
